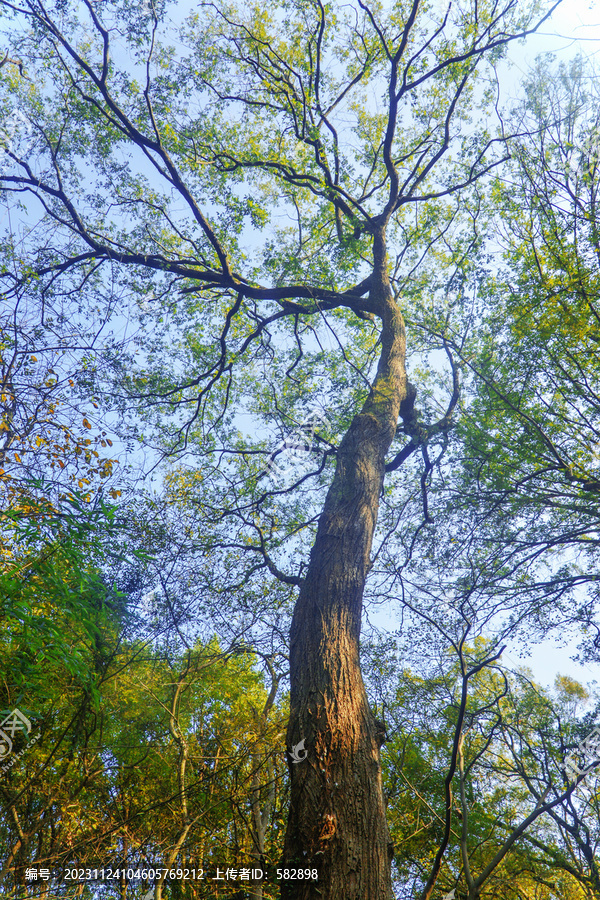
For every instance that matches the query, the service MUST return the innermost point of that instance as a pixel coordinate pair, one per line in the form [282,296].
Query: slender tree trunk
[260,818]
[262,796]
[337,821]
[123,890]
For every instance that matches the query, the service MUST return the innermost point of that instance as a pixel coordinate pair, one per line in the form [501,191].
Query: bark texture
[337,820]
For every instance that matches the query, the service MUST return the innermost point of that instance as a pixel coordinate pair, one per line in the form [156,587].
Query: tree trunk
[337,821]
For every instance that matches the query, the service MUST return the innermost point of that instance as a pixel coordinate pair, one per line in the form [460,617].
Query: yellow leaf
[86,423]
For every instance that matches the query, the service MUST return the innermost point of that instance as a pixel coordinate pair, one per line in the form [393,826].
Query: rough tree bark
[336,791]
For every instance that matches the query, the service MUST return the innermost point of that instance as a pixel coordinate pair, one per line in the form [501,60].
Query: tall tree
[364,127]
[473,764]
[532,429]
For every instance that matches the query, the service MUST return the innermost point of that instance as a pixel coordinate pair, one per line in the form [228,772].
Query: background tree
[531,451]
[510,746]
[165,764]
